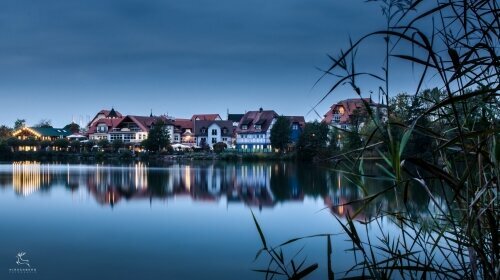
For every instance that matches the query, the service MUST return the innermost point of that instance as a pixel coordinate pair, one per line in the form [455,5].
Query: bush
[219,147]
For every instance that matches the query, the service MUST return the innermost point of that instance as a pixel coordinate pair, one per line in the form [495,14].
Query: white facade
[255,141]
[215,135]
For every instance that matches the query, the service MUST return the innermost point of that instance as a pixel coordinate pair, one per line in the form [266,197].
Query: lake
[177,221]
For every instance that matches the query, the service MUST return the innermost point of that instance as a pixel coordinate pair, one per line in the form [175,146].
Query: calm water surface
[180,221]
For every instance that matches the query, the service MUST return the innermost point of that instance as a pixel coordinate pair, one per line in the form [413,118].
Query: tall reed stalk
[452,44]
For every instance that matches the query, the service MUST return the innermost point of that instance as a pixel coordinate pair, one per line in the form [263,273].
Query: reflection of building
[29,177]
[258,184]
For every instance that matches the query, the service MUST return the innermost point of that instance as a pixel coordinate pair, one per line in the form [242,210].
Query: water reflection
[261,185]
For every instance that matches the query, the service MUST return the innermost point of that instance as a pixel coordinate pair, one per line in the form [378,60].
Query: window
[203,130]
[214,140]
[102,128]
[244,127]
[295,126]
[224,139]
[176,138]
[214,131]
[257,126]
[224,131]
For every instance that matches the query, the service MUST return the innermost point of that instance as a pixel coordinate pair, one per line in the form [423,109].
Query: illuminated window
[244,127]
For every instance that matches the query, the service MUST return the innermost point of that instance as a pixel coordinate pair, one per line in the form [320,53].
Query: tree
[203,144]
[61,143]
[73,127]
[13,142]
[44,123]
[117,145]
[280,133]
[333,140]
[313,140]
[103,143]
[76,146]
[5,151]
[5,132]
[158,138]
[19,123]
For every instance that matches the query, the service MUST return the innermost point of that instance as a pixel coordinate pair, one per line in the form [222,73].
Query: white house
[211,132]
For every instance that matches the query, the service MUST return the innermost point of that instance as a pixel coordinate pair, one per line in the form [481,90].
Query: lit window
[244,127]
[295,126]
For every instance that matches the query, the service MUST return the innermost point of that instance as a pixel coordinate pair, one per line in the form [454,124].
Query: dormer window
[203,130]
[295,126]
[258,126]
[224,131]
[102,128]
[244,127]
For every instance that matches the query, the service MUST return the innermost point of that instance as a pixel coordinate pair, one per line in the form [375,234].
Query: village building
[235,118]
[103,122]
[38,134]
[253,133]
[212,132]
[342,114]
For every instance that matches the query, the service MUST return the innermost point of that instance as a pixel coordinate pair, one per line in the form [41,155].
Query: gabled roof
[110,123]
[297,119]
[349,106]
[143,122]
[113,114]
[251,118]
[45,131]
[200,125]
[235,117]
[107,114]
[183,123]
[206,117]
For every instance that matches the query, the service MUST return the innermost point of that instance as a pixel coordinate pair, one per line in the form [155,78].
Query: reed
[452,44]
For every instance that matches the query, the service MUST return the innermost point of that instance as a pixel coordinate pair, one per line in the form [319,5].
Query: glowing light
[27,177]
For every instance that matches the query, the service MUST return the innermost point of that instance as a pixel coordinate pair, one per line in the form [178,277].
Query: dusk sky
[61,60]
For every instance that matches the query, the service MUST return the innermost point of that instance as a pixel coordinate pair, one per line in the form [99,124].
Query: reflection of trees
[347,189]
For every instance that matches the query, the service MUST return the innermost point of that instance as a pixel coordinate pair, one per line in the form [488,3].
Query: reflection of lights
[341,209]
[140,176]
[187,176]
[27,177]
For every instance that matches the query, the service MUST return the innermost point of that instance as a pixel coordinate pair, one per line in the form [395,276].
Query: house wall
[255,142]
[212,139]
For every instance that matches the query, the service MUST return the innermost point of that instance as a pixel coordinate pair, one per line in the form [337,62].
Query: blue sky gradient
[64,60]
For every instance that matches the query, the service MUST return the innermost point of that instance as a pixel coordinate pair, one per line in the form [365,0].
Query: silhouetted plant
[458,124]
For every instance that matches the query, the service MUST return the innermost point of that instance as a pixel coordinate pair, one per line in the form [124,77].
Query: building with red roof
[340,114]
